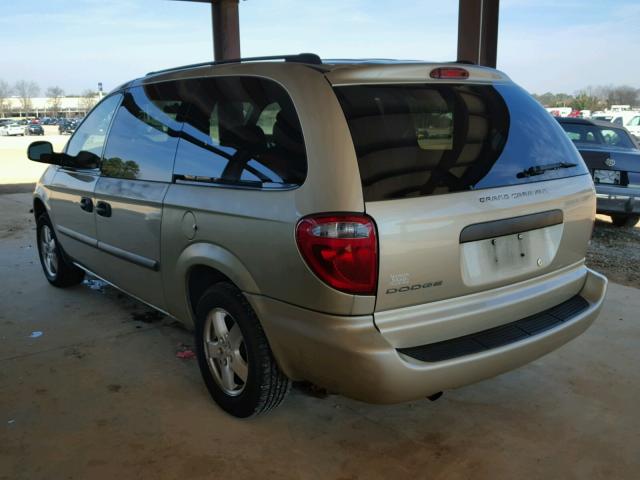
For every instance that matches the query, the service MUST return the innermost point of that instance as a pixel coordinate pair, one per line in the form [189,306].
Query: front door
[136,172]
[71,191]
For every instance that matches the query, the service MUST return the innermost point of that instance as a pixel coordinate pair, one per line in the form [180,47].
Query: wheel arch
[38,207]
[202,265]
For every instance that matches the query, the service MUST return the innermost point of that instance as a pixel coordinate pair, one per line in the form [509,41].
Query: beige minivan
[386,230]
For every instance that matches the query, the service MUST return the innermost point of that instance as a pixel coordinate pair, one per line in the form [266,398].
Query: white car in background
[633,125]
[12,129]
[630,120]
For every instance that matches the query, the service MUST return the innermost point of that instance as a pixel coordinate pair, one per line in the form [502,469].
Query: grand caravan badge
[500,197]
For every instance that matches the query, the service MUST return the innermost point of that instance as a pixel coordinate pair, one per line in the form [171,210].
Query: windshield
[427,139]
[589,135]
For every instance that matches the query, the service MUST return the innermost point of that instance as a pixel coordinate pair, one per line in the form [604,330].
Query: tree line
[26,90]
[592,98]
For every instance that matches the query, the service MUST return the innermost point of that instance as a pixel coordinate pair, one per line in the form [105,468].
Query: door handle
[103,209]
[86,204]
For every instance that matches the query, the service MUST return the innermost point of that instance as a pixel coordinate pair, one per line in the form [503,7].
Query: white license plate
[607,176]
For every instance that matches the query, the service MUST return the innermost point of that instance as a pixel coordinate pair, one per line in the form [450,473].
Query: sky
[544,45]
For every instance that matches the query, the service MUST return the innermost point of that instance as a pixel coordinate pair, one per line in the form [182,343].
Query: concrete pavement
[100,394]
[15,167]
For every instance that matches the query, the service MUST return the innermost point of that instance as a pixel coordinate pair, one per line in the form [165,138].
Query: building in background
[40,107]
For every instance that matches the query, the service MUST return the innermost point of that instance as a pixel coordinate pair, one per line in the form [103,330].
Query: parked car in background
[67,127]
[34,129]
[633,125]
[383,230]
[613,159]
[630,119]
[14,128]
[602,117]
[559,111]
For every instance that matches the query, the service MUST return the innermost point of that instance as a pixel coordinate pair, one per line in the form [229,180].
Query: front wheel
[235,359]
[625,220]
[57,268]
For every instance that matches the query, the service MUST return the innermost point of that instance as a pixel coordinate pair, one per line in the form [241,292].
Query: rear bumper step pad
[498,336]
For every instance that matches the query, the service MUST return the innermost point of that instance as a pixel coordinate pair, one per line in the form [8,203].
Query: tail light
[342,250]
[449,73]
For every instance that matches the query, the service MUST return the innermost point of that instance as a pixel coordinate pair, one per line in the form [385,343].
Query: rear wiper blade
[540,169]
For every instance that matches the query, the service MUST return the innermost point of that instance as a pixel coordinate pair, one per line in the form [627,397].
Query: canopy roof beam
[478,31]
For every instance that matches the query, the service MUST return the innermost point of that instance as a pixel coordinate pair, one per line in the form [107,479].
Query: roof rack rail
[311,58]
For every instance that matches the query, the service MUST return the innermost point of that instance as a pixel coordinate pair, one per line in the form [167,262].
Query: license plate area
[505,257]
[510,249]
[610,177]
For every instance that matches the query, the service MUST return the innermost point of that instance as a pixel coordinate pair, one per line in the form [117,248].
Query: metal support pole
[478,31]
[225,21]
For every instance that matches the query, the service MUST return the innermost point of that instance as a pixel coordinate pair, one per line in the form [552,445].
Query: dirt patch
[615,252]
[13,229]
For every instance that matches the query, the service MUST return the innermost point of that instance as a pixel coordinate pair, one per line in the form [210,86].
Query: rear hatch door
[472,186]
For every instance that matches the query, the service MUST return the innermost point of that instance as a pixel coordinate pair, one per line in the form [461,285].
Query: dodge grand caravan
[385,230]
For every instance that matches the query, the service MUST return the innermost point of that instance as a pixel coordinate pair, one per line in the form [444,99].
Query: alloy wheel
[225,351]
[49,251]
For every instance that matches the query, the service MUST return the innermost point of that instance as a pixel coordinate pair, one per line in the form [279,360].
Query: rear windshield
[425,139]
[586,135]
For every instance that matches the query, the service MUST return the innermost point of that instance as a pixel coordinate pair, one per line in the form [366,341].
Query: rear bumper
[622,200]
[350,356]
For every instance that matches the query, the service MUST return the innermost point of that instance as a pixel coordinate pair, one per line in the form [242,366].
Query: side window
[574,136]
[144,136]
[267,118]
[634,122]
[610,136]
[617,138]
[240,131]
[87,142]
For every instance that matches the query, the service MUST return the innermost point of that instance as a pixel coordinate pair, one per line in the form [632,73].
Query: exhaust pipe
[435,396]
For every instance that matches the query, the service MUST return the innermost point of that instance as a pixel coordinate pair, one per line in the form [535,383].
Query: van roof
[351,70]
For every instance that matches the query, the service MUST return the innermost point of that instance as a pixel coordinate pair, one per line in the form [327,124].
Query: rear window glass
[582,133]
[425,139]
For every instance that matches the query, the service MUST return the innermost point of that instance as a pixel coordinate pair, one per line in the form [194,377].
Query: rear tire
[235,359]
[57,268]
[625,220]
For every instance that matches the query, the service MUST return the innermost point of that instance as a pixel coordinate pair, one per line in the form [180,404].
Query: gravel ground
[615,252]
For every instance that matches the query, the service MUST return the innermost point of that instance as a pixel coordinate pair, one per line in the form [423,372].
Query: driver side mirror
[42,152]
